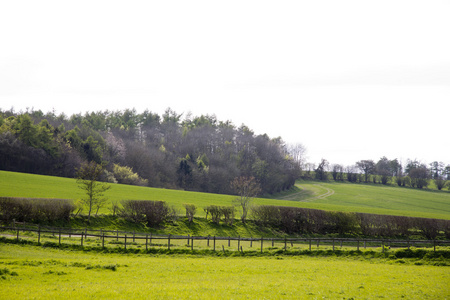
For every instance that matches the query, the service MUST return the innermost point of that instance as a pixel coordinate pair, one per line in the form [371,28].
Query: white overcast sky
[350,80]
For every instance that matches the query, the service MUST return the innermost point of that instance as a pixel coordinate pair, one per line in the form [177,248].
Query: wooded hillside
[192,153]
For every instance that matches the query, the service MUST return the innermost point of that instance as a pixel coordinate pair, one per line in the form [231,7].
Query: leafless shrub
[190,211]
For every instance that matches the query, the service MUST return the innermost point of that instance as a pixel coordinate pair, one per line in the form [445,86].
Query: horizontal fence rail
[133,239]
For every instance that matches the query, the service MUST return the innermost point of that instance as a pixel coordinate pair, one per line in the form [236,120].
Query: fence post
[192,243]
[382,246]
[207,238]
[125,242]
[357,243]
[39,234]
[188,239]
[333,244]
[17,234]
[285,243]
[168,242]
[117,231]
[273,242]
[229,241]
[251,242]
[239,242]
[262,240]
[146,242]
[310,244]
[364,244]
[318,241]
[103,240]
[81,239]
[434,244]
[151,234]
[60,237]
[214,243]
[134,233]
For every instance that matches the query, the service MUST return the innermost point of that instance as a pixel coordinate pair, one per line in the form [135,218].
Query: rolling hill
[367,198]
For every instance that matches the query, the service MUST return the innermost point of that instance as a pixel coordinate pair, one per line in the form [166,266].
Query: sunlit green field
[35,273]
[367,198]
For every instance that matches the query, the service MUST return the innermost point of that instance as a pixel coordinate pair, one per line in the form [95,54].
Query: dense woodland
[170,151]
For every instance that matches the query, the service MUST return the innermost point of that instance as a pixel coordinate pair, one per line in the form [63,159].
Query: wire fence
[138,240]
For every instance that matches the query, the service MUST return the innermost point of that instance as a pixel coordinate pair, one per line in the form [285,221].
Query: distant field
[30,272]
[373,198]
[377,199]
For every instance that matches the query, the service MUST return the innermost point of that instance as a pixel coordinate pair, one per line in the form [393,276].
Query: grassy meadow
[368,198]
[30,272]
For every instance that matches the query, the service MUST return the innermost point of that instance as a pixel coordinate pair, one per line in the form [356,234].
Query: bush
[35,209]
[217,212]
[151,212]
[342,222]
[190,211]
[228,214]
[429,227]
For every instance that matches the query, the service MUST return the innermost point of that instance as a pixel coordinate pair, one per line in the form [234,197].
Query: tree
[367,167]
[419,177]
[383,168]
[321,171]
[87,179]
[298,152]
[246,188]
[337,171]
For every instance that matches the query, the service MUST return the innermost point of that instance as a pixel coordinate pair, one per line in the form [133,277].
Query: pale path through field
[303,194]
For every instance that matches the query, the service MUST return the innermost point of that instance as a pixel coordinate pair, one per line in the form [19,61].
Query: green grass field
[366,198]
[29,272]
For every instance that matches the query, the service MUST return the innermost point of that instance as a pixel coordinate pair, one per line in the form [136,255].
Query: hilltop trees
[170,151]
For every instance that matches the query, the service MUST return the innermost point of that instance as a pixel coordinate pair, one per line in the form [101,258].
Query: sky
[350,80]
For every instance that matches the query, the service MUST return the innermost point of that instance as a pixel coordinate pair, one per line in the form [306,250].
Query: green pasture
[29,272]
[371,198]
[367,198]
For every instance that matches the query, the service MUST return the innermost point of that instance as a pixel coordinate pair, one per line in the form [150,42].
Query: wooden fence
[130,239]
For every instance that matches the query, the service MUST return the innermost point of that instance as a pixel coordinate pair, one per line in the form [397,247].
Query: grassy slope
[373,198]
[339,196]
[57,274]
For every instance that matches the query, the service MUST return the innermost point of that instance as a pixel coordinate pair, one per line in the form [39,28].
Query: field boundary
[131,239]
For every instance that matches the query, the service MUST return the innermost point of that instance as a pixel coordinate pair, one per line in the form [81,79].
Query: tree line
[414,173]
[198,153]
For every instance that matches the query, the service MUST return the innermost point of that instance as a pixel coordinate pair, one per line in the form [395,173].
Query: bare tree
[298,153]
[87,179]
[246,188]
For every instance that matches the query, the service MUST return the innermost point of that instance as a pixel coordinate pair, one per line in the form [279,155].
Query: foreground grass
[34,273]
[366,198]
